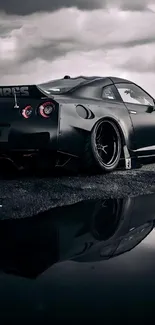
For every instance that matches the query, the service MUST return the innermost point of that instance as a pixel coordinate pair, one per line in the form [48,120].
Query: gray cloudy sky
[44,39]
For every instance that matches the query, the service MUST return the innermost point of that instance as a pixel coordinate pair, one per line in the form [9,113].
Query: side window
[108,93]
[133,94]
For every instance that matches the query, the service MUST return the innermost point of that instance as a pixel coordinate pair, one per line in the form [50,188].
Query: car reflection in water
[87,231]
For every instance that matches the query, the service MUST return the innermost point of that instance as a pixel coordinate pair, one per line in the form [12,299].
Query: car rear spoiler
[32,91]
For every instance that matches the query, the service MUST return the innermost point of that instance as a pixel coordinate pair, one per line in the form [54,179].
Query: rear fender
[73,129]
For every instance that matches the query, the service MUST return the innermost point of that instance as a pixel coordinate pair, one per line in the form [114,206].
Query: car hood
[93,259]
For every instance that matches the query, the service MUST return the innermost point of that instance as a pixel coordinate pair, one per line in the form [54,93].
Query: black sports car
[93,123]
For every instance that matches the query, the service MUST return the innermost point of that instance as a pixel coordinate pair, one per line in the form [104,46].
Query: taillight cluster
[45,110]
[27,111]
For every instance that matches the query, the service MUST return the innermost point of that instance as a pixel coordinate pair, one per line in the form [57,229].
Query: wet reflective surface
[91,260]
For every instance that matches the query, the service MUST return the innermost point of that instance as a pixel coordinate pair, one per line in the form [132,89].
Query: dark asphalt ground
[26,196]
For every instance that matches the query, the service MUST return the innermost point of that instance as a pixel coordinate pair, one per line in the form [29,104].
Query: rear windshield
[60,86]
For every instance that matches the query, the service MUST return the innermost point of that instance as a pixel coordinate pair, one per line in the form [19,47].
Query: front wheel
[103,147]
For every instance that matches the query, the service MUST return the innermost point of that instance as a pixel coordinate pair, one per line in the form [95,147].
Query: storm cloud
[27,7]
[114,37]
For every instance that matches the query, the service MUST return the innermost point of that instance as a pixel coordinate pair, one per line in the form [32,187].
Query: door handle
[132,112]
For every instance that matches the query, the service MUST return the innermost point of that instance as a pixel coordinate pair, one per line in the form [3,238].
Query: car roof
[68,83]
[119,80]
[86,79]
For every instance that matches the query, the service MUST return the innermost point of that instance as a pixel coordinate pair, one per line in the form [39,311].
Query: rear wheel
[103,147]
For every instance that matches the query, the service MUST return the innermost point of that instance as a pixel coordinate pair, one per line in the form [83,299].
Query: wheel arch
[90,158]
[125,151]
[117,124]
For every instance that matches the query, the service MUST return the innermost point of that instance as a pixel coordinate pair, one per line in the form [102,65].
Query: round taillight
[46,109]
[27,111]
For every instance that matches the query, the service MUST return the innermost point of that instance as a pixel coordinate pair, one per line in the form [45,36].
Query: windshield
[60,85]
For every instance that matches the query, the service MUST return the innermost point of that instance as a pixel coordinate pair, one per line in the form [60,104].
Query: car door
[141,109]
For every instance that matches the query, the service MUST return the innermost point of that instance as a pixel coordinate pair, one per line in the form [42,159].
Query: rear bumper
[18,140]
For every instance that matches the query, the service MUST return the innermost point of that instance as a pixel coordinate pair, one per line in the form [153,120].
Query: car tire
[100,157]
